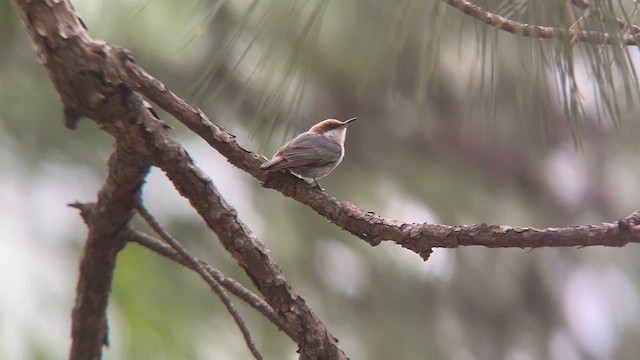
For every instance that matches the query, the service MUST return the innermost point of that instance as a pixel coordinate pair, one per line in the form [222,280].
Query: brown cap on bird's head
[330,124]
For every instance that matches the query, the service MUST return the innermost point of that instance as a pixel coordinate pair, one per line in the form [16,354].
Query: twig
[200,269]
[227,282]
[537,31]
[622,24]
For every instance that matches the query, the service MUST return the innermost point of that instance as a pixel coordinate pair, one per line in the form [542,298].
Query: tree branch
[366,225]
[88,86]
[128,234]
[206,275]
[540,32]
[227,282]
[113,211]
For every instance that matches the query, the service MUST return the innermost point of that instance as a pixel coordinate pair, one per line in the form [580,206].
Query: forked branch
[227,282]
[199,268]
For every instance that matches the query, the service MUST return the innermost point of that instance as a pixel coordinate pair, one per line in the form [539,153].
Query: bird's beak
[347,122]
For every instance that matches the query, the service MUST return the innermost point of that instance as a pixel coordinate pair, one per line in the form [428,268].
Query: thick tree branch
[541,32]
[77,68]
[113,211]
[364,224]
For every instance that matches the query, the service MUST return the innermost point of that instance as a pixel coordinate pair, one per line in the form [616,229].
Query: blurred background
[459,124]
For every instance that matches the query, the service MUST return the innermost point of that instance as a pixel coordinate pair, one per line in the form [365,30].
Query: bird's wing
[306,150]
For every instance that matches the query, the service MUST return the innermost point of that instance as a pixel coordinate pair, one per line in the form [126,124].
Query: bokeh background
[459,124]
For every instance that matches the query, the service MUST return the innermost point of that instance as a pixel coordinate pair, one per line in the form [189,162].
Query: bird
[314,153]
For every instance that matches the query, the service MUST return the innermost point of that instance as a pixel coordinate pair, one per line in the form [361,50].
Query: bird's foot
[317,184]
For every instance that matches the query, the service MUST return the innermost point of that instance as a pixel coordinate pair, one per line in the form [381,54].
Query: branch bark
[113,211]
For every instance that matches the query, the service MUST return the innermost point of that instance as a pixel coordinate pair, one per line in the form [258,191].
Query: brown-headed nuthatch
[314,153]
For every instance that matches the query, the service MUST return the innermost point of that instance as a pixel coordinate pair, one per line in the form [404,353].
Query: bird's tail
[271,163]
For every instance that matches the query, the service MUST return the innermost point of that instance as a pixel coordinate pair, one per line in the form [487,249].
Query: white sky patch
[566,174]
[38,265]
[233,184]
[562,347]
[624,300]
[440,265]
[588,90]
[588,307]
[516,353]
[623,180]
[342,268]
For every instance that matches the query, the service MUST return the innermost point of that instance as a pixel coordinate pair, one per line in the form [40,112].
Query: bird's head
[330,125]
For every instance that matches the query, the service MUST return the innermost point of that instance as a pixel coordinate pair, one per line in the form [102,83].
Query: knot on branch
[86,210]
[625,224]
